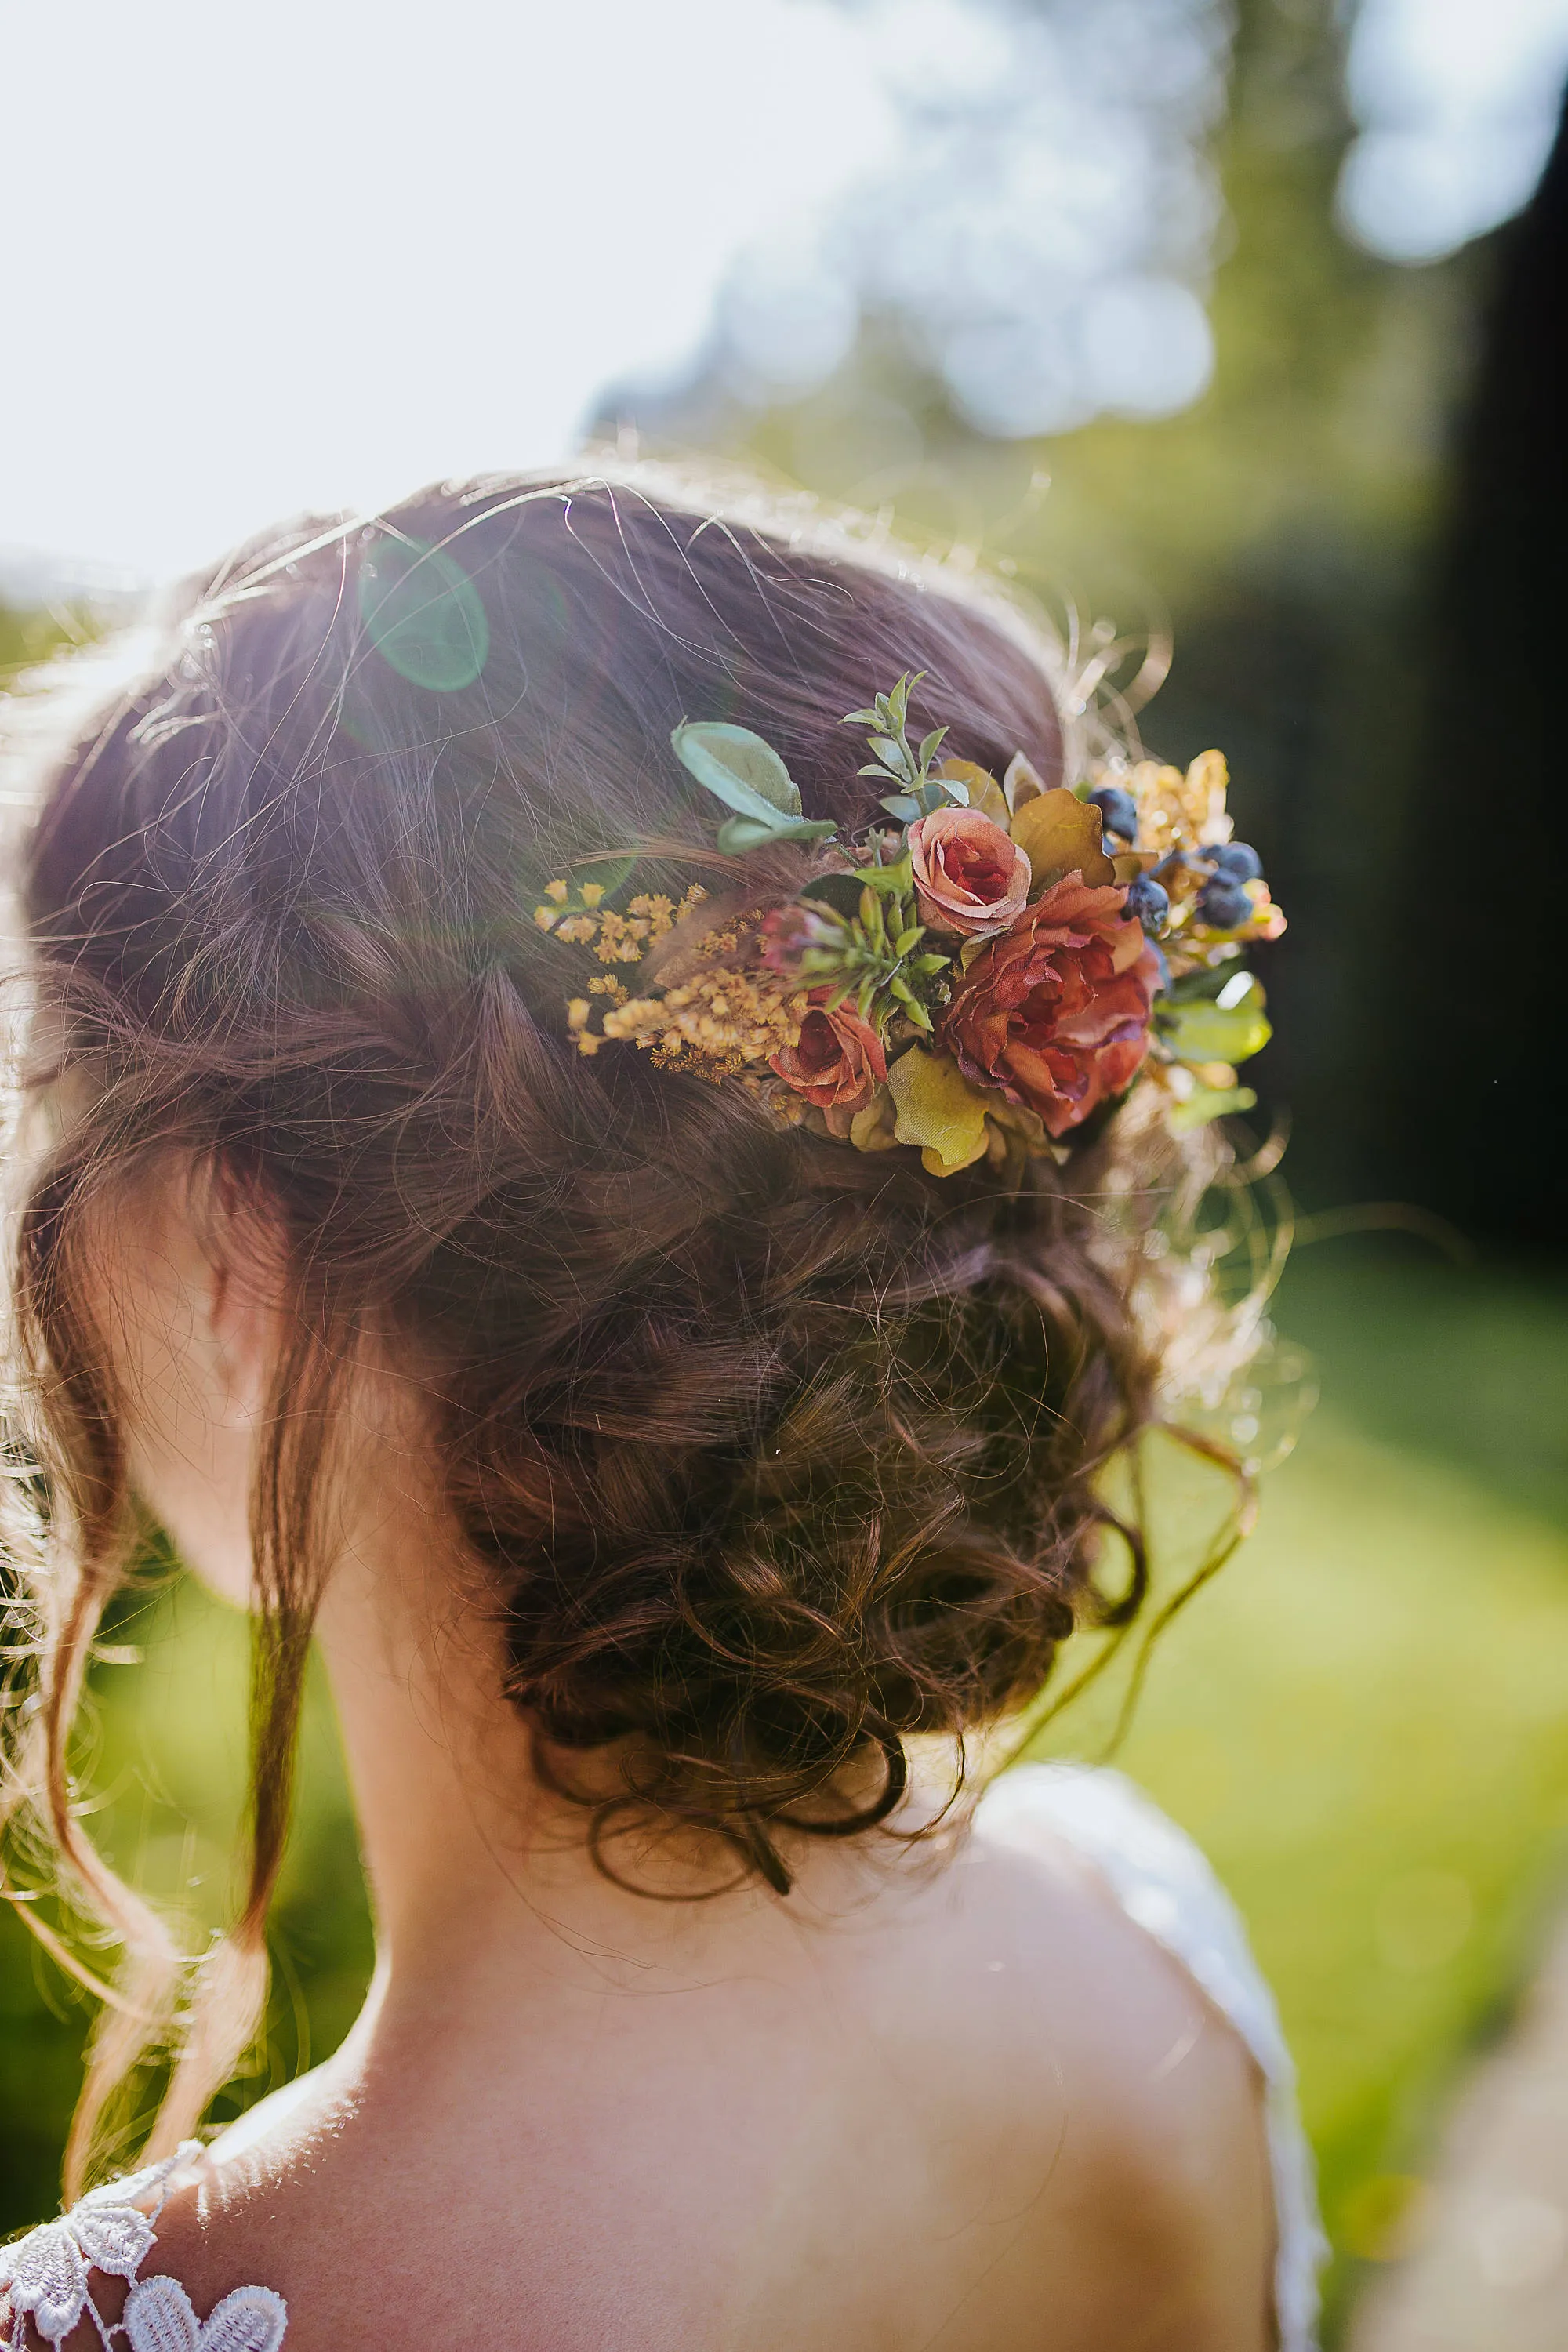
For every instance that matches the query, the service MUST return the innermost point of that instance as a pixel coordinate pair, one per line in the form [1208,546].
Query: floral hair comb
[974,974]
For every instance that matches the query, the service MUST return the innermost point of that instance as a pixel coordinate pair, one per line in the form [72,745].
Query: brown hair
[776,1453]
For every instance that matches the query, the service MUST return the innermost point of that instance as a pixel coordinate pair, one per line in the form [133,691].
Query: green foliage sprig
[906,764]
[874,953]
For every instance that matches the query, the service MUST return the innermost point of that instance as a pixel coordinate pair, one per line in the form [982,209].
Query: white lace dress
[1155,1872]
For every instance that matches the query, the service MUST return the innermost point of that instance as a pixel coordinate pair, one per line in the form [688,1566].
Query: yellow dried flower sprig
[1016,879]
[717,1021]
[583,921]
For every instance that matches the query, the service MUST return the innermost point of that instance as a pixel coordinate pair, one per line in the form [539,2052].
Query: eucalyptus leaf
[840,892]
[739,835]
[739,769]
[902,806]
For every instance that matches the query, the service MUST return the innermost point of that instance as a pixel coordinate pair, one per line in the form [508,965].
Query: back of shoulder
[1098,1910]
[102,2267]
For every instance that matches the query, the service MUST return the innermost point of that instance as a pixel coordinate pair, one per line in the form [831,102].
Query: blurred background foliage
[1352,538]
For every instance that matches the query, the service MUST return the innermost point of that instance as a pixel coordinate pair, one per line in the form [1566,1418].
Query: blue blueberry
[1224,905]
[1118,811]
[1149,902]
[1237,861]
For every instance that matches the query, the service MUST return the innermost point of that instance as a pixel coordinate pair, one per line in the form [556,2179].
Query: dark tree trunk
[1478,1047]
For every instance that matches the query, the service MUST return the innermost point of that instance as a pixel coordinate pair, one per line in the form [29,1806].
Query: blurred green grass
[1363,1721]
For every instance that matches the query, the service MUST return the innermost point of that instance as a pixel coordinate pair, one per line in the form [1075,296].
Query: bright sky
[317,251]
[314,252]
[1458,101]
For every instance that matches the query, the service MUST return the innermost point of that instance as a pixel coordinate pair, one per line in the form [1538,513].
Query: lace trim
[47,2276]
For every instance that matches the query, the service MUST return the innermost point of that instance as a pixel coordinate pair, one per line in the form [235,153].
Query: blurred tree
[1478,1052]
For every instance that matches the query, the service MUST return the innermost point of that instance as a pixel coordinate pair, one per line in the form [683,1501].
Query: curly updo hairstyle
[776,1453]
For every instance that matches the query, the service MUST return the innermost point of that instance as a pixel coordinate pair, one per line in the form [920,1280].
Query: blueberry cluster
[1222,902]
[1118,812]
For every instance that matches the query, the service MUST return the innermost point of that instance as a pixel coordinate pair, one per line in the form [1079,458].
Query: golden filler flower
[974,974]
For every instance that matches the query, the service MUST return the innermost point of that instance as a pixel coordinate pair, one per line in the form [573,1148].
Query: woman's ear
[243,1247]
[192,1272]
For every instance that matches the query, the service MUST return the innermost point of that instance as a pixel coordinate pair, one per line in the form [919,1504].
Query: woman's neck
[481,1879]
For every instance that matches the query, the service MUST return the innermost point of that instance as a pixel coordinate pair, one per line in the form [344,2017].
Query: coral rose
[970,877]
[837,1062]
[1055,1012]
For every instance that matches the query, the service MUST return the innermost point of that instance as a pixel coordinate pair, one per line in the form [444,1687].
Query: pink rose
[969,876]
[837,1062]
[1055,1012]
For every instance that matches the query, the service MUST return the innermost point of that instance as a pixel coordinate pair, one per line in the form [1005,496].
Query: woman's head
[772,1454]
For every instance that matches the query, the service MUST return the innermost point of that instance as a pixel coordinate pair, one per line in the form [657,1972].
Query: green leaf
[612,873]
[841,892]
[928,747]
[738,835]
[910,1003]
[1205,1103]
[1214,980]
[898,877]
[902,806]
[862,719]
[908,940]
[941,792]
[739,769]
[1204,1030]
[938,1109]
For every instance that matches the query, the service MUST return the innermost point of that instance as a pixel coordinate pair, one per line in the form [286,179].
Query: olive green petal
[938,1109]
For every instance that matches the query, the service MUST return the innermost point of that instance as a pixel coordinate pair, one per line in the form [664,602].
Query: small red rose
[837,1062]
[1055,1012]
[969,876]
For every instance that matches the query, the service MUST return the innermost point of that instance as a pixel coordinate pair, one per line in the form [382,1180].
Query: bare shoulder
[980,2108]
[110,2264]
[1154,2223]
[215,2225]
